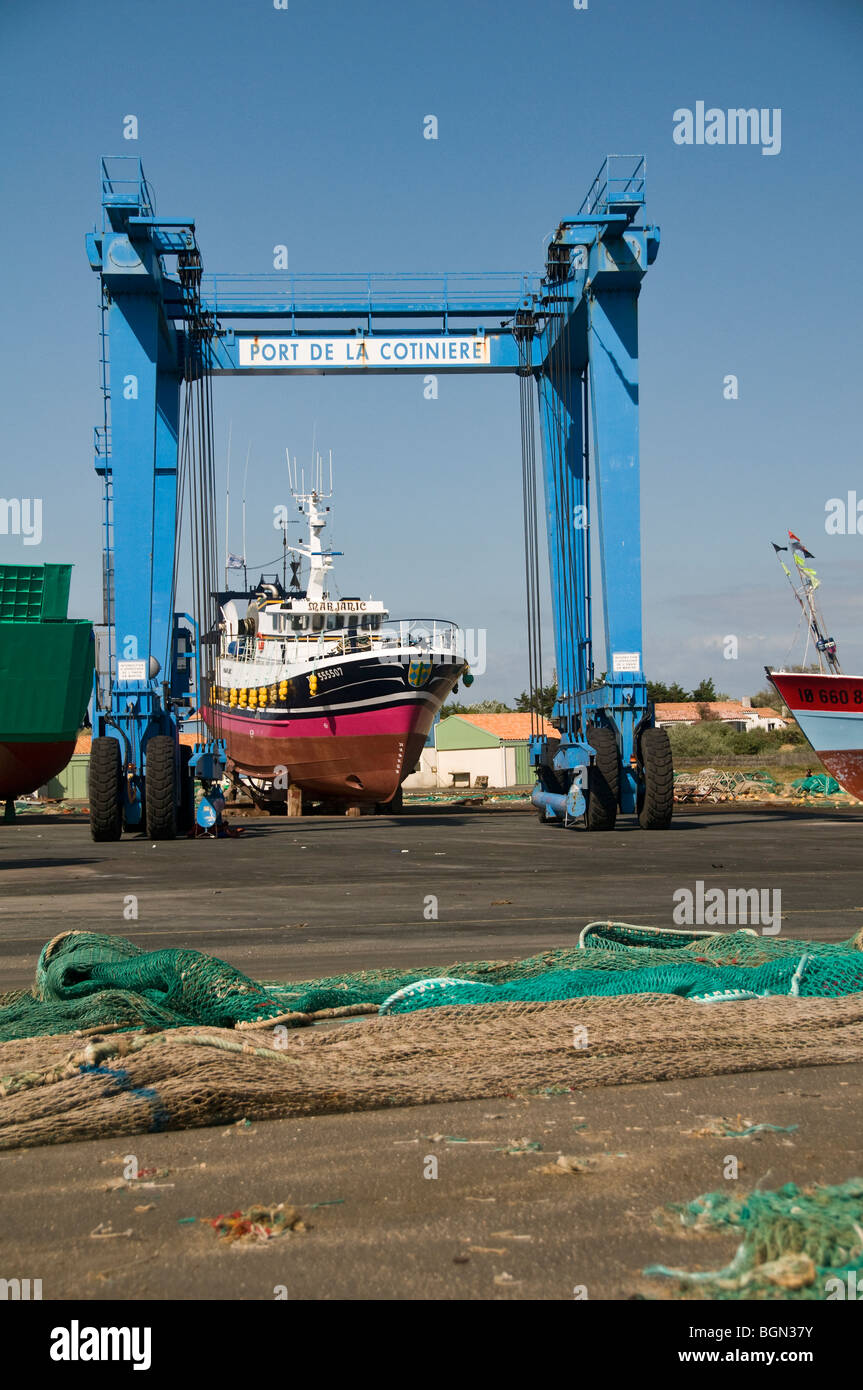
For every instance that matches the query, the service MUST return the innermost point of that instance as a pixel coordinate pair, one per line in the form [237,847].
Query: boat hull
[829,710]
[354,743]
[24,767]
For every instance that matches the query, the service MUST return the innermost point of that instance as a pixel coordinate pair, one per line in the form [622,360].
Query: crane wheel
[656,790]
[160,788]
[106,790]
[603,780]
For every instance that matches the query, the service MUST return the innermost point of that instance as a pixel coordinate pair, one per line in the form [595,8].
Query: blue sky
[304,127]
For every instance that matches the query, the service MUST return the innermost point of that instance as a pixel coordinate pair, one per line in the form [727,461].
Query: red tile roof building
[510,726]
[725,711]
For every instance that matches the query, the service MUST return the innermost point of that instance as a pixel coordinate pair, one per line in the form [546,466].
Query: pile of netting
[617,959]
[86,981]
[613,958]
[796,1243]
[820,784]
[67,1087]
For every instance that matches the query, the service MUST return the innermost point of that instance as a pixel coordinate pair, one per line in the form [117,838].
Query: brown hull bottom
[26,766]
[846,765]
[354,768]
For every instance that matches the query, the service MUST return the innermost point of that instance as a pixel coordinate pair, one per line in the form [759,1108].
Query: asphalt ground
[293,900]
[298,899]
[490,1225]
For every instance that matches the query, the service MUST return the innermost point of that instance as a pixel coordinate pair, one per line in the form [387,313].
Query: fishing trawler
[322,693]
[827,704]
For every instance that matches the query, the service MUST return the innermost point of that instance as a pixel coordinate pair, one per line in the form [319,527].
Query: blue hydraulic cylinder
[565,806]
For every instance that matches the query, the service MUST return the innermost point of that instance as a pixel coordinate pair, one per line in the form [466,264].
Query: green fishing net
[818,785]
[795,1243]
[85,980]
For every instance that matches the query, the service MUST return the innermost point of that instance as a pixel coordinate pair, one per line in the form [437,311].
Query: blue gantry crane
[571,332]
[585,362]
[153,452]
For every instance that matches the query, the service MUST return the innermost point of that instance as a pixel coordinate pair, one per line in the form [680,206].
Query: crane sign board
[287,352]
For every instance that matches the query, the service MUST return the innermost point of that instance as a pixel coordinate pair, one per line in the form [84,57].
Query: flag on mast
[797,544]
[805,595]
[807,573]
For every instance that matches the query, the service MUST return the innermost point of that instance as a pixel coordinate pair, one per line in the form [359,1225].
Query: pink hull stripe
[392,719]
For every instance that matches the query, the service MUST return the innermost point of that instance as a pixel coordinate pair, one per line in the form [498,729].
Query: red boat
[827,704]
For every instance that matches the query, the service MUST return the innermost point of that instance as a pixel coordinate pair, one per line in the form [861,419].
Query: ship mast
[805,595]
[310,504]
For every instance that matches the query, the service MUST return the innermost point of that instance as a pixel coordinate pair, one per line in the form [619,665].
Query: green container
[34,593]
[46,675]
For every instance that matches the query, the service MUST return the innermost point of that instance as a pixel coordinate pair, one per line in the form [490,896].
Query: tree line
[542,702]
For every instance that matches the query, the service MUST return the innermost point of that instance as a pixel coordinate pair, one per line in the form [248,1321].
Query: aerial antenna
[228,500]
[245,476]
[285,528]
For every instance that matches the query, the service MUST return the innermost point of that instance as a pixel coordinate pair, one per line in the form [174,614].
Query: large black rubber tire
[656,792]
[160,789]
[186,814]
[106,789]
[603,780]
